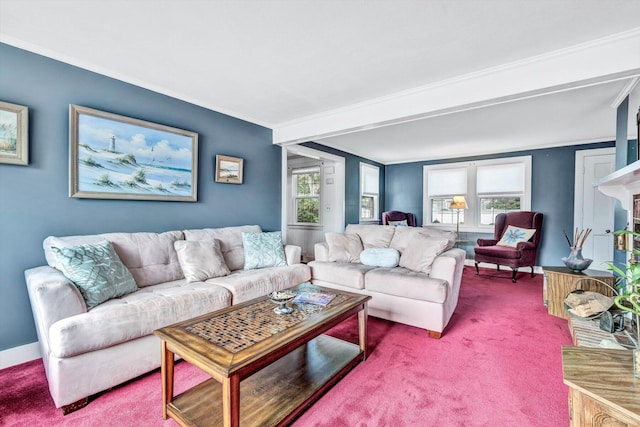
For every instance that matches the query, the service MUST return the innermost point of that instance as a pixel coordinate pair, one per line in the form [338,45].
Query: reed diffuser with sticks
[575,261]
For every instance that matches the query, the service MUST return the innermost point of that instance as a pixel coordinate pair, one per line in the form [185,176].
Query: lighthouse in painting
[112,144]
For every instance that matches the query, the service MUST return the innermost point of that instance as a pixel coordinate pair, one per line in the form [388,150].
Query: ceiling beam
[604,60]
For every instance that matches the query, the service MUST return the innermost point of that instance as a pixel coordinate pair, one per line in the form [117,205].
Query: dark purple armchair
[398,216]
[523,255]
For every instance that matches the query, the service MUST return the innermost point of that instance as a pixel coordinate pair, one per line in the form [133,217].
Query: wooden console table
[602,388]
[559,281]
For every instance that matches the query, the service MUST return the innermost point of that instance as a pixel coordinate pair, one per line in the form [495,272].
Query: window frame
[295,197]
[376,196]
[472,214]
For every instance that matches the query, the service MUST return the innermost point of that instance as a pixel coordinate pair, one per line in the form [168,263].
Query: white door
[596,211]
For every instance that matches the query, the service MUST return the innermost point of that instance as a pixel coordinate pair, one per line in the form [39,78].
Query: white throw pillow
[200,260]
[515,235]
[344,247]
[421,252]
[402,223]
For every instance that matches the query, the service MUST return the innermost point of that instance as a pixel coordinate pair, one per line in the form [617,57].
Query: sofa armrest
[293,254]
[446,265]
[321,251]
[53,297]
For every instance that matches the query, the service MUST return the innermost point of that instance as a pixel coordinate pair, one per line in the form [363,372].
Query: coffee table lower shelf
[276,394]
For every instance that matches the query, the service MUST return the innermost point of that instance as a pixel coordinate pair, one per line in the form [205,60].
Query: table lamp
[458,204]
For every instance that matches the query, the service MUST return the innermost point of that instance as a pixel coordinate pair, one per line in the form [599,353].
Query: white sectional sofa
[421,291]
[88,350]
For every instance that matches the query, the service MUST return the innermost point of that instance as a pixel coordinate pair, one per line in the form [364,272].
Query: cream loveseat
[88,350]
[421,291]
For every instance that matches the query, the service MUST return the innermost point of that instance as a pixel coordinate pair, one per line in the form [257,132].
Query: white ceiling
[390,80]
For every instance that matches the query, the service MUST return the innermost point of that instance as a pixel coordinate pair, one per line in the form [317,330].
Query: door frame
[339,210]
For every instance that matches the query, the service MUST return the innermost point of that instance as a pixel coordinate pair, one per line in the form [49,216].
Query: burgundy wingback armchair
[398,216]
[523,255]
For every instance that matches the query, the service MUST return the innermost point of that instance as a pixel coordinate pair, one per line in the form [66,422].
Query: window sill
[305,226]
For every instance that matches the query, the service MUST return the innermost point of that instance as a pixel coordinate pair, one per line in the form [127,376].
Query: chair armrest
[293,254]
[487,242]
[525,246]
[53,297]
[321,251]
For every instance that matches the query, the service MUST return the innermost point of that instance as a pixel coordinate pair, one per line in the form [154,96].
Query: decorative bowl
[282,298]
[577,264]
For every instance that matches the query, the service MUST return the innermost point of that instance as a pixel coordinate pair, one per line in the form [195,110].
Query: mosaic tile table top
[237,330]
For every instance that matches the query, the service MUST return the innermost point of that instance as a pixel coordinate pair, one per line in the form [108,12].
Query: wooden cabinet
[559,281]
[602,388]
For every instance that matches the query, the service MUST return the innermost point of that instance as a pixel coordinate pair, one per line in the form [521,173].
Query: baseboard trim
[21,354]
[471,263]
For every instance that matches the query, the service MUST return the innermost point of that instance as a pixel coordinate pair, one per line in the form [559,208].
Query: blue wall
[34,200]
[552,187]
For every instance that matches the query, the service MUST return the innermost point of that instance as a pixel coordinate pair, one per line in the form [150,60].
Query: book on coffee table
[316,298]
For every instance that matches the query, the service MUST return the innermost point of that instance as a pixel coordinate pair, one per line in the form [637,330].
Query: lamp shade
[458,203]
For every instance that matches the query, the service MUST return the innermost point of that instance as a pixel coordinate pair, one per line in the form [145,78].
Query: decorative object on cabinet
[575,261]
[118,157]
[229,169]
[14,134]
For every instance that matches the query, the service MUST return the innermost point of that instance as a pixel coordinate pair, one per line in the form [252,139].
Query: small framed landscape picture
[118,157]
[14,134]
[228,169]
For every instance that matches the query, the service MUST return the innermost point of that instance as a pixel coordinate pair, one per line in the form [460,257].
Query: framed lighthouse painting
[117,157]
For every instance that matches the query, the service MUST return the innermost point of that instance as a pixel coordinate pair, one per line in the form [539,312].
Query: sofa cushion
[380,257]
[150,257]
[421,252]
[439,233]
[248,284]
[230,241]
[200,260]
[346,274]
[406,283]
[96,270]
[373,236]
[402,236]
[343,247]
[134,315]
[263,250]
[514,235]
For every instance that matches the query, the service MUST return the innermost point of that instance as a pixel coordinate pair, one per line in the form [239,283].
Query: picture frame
[118,157]
[229,170]
[14,134]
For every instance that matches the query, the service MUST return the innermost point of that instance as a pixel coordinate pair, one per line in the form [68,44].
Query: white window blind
[370,180]
[504,178]
[451,181]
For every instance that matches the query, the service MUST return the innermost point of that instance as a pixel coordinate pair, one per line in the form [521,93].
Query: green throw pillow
[96,270]
[263,250]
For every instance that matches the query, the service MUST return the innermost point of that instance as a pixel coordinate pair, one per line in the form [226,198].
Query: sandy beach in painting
[107,172]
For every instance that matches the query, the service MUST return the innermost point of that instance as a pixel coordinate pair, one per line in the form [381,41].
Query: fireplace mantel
[622,184]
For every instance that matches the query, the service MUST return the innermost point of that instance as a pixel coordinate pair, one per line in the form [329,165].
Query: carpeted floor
[497,364]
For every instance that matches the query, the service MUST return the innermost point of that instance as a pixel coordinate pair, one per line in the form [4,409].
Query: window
[306,188]
[490,187]
[369,192]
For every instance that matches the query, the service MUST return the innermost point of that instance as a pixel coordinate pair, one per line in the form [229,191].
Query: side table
[559,281]
[602,388]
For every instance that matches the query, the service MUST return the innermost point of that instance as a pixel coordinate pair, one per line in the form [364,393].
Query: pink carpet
[498,364]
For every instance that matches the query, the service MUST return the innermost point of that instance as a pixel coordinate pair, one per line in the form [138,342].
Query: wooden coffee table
[265,368]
